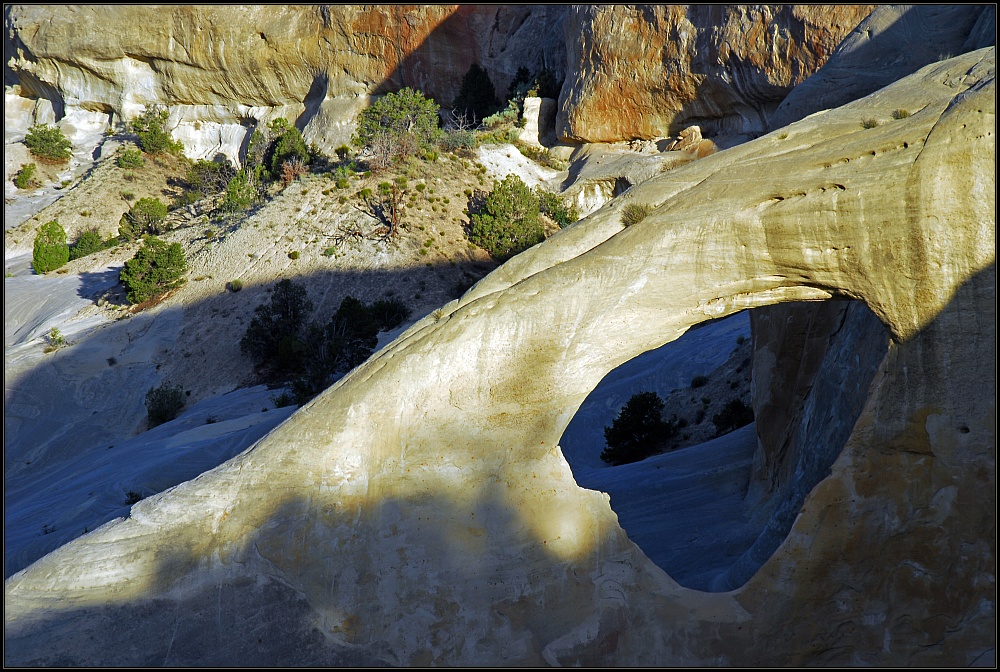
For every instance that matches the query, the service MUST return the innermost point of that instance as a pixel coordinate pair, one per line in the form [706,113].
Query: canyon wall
[221,70]
[646,71]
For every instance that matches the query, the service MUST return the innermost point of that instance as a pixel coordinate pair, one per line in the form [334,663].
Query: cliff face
[420,512]
[645,71]
[222,68]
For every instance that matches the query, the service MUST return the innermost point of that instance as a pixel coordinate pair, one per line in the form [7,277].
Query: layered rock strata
[419,512]
[647,71]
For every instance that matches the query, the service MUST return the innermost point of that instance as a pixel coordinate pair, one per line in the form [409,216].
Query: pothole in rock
[716,503]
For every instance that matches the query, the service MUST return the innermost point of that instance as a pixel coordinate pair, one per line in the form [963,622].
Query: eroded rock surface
[645,71]
[419,511]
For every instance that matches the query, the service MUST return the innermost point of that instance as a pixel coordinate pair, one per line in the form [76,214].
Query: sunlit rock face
[647,71]
[222,69]
[420,512]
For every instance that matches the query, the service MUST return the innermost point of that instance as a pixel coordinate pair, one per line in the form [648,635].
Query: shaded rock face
[421,513]
[222,69]
[646,71]
[794,345]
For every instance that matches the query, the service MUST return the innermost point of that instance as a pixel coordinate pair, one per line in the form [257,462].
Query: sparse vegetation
[25,177]
[900,113]
[553,206]
[633,213]
[699,381]
[234,285]
[88,242]
[145,217]
[870,122]
[129,157]
[55,340]
[50,250]
[396,126]
[507,223]
[477,98]
[48,143]
[638,431]
[153,137]
[156,268]
[735,414]
[164,403]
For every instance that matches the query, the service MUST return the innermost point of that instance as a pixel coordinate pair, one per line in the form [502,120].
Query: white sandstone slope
[420,512]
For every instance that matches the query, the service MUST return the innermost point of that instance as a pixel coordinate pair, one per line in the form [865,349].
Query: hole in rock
[722,495]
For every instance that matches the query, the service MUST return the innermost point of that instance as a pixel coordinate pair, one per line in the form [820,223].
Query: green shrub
[153,138]
[330,251]
[48,143]
[397,125]
[508,221]
[550,204]
[156,268]
[274,330]
[129,157]
[50,250]
[638,431]
[288,147]
[144,217]
[734,414]
[389,313]
[900,114]
[699,381]
[56,340]
[633,213]
[342,183]
[89,242]
[209,177]
[477,98]
[26,176]
[294,254]
[235,285]
[870,122]
[164,403]
[342,152]
[241,193]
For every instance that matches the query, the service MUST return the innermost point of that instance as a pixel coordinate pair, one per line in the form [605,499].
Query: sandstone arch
[419,511]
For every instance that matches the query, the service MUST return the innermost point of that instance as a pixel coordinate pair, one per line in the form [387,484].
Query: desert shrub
[638,431]
[26,176]
[508,221]
[396,126]
[389,313]
[144,217]
[55,339]
[870,122]
[633,213]
[241,192]
[129,157]
[89,242]
[164,403]
[156,268]
[48,143]
[550,204]
[477,98]
[699,381]
[289,148]
[900,113]
[293,255]
[153,138]
[342,152]
[282,400]
[273,333]
[50,249]
[234,285]
[734,414]
[208,178]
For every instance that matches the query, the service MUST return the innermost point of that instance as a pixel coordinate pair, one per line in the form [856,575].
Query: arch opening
[716,503]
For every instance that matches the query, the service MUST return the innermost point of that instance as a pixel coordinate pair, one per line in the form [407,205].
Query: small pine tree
[50,250]
[26,176]
[153,137]
[508,222]
[398,125]
[164,403]
[156,268]
[477,99]
[274,332]
[145,217]
[638,431]
[48,143]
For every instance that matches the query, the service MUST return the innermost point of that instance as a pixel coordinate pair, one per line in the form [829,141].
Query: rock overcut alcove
[420,512]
